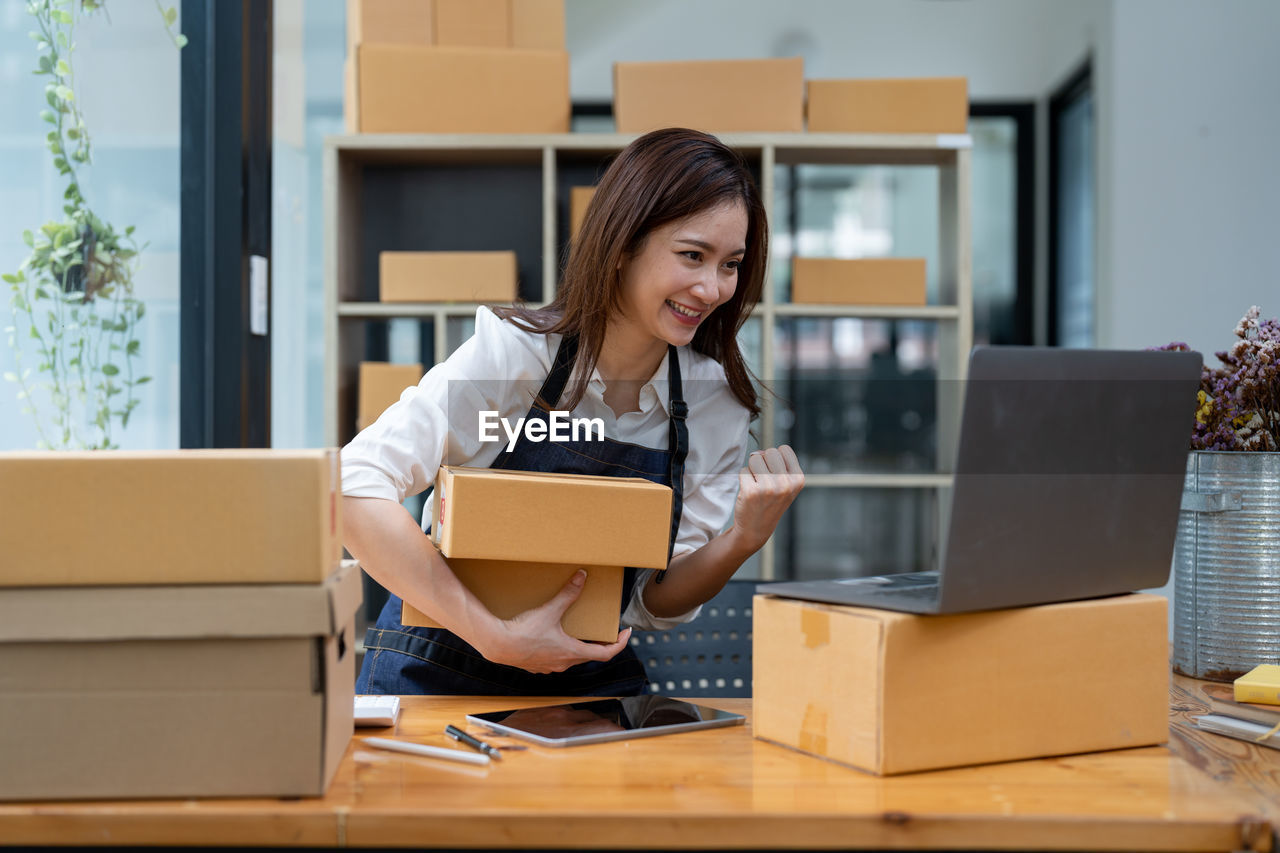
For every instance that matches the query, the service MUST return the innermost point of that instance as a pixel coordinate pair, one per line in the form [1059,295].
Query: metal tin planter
[1226,565]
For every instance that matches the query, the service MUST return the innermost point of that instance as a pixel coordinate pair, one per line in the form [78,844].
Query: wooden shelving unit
[475,192]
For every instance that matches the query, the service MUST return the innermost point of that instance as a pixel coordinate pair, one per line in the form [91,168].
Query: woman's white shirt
[499,370]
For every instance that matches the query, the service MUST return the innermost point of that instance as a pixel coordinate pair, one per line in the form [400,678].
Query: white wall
[1193,191]
[1009,49]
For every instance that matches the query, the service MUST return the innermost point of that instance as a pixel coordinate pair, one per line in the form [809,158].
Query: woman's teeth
[680,309]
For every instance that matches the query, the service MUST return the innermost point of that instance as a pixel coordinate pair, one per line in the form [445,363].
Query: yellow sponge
[1261,684]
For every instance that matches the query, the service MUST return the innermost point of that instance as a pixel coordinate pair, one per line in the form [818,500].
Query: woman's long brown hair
[662,177]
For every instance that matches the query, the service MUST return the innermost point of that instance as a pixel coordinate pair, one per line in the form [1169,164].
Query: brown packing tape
[816,627]
[813,730]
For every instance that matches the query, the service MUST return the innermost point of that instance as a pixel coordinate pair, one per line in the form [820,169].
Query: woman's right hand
[535,641]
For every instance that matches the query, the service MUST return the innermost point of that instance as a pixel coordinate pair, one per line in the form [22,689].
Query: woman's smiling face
[683,271]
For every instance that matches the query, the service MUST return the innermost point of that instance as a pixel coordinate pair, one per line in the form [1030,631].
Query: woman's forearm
[391,547]
[694,578]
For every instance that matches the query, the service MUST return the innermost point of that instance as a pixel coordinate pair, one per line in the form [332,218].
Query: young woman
[643,334]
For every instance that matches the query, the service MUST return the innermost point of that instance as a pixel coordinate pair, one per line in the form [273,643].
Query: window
[125,74]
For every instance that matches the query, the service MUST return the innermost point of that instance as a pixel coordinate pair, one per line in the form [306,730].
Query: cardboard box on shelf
[860,281]
[176,691]
[537,24]
[473,23]
[389,22]
[894,692]
[492,514]
[107,517]
[509,587]
[711,95]
[381,384]
[908,105]
[410,89]
[530,24]
[447,276]
[579,198]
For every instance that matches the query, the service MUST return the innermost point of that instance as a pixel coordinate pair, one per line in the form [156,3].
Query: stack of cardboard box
[770,95]
[933,105]
[514,538]
[456,66]
[173,624]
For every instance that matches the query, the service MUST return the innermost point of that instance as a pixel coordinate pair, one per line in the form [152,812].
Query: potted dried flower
[1227,557]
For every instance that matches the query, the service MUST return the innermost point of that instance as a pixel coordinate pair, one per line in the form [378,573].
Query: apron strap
[677,447]
[677,430]
[561,368]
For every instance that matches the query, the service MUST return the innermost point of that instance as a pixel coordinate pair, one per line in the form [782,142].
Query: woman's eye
[733,265]
[692,255]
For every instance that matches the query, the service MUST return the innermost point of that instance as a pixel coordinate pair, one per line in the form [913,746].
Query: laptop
[1068,481]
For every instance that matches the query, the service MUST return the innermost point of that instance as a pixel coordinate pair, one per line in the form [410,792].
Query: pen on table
[424,750]
[475,743]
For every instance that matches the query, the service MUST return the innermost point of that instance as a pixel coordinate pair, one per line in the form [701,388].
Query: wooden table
[717,789]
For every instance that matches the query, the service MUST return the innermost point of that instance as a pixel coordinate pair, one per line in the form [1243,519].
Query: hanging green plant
[73,294]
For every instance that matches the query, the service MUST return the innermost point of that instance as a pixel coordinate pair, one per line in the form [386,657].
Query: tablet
[597,720]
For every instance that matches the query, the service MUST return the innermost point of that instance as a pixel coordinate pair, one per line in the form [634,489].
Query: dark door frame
[1079,83]
[225,370]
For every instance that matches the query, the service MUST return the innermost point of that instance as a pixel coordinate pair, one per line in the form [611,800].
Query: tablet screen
[598,720]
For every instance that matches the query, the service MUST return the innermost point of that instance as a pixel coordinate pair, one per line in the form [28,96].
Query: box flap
[52,614]
[585,479]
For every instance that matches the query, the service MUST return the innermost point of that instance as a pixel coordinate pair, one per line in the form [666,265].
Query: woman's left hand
[766,487]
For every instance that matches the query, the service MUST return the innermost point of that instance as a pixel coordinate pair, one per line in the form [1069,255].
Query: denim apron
[410,660]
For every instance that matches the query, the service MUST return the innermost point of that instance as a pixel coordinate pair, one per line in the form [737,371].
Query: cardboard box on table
[860,281]
[508,588]
[398,88]
[381,384]
[893,692]
[169,517]
[515,537]
[533,516]
[176,691]
[905,105]
[711,95]
[447,276]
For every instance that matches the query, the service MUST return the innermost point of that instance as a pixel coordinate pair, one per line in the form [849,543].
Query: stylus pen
[428,751]
[475,743]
